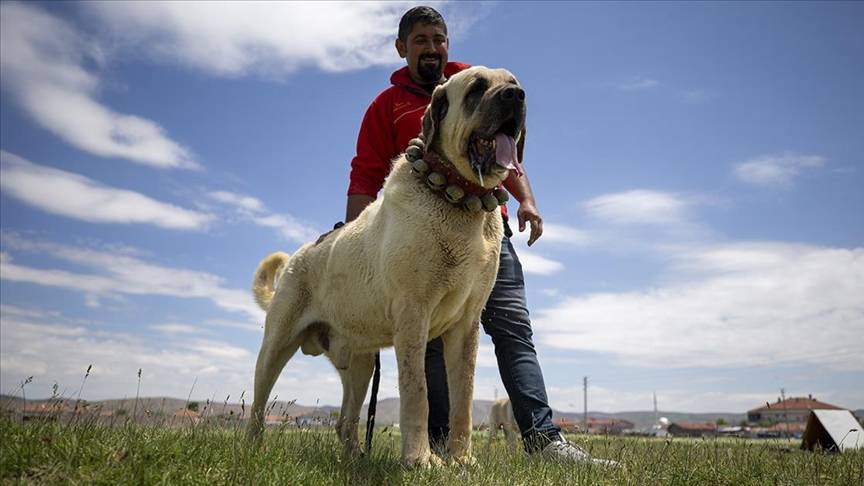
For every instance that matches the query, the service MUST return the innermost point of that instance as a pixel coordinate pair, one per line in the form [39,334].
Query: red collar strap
[452,175]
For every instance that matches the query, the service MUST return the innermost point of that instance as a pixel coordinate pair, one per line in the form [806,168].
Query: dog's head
[476,120]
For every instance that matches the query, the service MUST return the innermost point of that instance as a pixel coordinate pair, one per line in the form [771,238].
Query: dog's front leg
[460,354]
[411,335]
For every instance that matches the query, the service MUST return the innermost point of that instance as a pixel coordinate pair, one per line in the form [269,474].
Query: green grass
[83,453]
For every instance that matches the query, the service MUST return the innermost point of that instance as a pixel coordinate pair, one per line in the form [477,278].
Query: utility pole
[656,418]
[785,414]
[585,409]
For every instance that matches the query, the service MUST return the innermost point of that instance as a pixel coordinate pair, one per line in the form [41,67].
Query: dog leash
[373,403]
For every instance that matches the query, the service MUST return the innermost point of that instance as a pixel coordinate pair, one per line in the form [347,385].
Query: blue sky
[699,168]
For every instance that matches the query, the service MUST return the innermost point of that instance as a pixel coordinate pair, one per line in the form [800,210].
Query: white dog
[501,417]
[418,263]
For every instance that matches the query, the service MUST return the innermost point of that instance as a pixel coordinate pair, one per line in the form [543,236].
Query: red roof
[792,404]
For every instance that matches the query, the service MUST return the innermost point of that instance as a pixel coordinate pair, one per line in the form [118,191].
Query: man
[394,118]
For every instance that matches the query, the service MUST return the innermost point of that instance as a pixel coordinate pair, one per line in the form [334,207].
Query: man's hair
[424,15]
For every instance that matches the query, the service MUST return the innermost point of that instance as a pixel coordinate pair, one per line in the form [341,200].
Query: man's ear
[401,48]
[435,112]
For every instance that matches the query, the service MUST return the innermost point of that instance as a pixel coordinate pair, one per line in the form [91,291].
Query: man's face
[425,50]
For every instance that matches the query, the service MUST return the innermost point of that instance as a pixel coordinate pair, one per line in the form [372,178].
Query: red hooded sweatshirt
[391,121]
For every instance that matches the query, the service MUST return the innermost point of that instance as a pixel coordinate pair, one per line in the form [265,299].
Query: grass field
[84,453]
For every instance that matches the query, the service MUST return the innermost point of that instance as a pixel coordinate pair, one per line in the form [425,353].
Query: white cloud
[175,328]
[486,356]
[170,366]
[556,236]
[639,206]
[745,304]
[245,326]
[43,59]
[265,38]
[116,274]
[288,227]
[551,292]
[564,235]
[254,211]
[245,202]
[776,170]
[537,264]
[639,84]
[14,310]
[75,196]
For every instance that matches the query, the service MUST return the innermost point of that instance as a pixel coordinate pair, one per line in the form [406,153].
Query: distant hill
[387,411]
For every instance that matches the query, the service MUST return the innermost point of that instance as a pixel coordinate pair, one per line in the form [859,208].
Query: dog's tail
[269,270]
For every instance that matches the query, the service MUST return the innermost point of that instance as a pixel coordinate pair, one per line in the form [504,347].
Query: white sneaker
[564,451]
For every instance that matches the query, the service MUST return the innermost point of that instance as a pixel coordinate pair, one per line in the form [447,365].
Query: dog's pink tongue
[505,153]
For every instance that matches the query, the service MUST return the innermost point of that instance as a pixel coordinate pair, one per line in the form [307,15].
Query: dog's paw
[423,461]
[352,451]
[435,460]
[463,460]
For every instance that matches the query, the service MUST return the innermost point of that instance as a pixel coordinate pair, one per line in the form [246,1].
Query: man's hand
[528,213]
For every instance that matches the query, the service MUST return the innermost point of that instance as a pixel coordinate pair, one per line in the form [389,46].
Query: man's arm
[520,188]
[356,204]
[375,149]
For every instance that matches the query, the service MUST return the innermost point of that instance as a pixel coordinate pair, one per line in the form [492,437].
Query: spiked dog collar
[443,179]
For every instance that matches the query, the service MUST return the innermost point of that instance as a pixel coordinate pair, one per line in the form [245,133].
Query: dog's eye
[478,88]
[475,92]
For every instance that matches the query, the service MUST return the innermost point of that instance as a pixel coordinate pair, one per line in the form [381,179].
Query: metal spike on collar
[413,153]
[454,193]
[472,203]
[489,201]
[436,181]
[501,195]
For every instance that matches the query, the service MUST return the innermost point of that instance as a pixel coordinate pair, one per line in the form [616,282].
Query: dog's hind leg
[355,382]
[278,346]
[510,436]
[460,349]
[271,360]
[493,429]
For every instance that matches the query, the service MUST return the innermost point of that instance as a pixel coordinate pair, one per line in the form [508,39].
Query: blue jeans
[505,319]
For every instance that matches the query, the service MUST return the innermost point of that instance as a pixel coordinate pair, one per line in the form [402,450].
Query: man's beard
[429,73]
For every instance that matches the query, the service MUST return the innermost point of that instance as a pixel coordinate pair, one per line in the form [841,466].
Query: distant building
[783,429]
[49,410]
[692,429]
[791,410]
[185,413]
[609,426]
[277,420]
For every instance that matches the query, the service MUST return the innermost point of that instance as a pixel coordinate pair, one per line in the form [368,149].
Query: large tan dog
[411,267]
[501,417]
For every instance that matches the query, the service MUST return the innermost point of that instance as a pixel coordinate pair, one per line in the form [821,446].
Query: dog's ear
[435,112]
